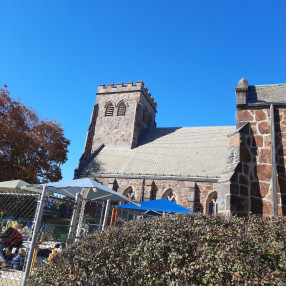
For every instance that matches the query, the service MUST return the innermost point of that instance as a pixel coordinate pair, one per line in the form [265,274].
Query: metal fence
[18,213]
[36,226]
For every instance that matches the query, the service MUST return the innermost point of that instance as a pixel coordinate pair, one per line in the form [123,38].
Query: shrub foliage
[177,250]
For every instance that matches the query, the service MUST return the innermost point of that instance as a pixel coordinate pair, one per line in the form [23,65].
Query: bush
[177,250]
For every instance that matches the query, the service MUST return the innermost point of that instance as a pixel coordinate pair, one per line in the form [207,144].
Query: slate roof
[266,93]
[186,151]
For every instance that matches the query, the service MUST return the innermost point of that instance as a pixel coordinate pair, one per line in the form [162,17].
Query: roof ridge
[274,84]
[216,126]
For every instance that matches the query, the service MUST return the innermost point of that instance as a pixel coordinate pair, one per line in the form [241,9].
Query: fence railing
[36,226]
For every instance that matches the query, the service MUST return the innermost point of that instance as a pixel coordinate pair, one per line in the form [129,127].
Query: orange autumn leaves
[31,149]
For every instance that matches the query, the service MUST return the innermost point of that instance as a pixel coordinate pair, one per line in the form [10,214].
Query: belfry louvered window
[121,110]
[109,109]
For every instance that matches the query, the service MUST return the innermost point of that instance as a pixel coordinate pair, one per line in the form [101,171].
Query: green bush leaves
[177,250]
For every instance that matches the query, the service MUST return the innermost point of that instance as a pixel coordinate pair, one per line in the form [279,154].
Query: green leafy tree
[31,149]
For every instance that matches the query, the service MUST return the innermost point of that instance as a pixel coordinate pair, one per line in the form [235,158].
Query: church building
[225,169]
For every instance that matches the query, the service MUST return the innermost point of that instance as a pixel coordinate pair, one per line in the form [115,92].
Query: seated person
[12,238]
[2,256]
[8,256]
[18,261]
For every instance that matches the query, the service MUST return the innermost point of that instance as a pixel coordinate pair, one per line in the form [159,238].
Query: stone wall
[191,195]
[115,130]
[257,154]
[233,186]
[246,184]
[119,130]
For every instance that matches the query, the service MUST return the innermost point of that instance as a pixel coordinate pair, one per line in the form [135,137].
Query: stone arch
[109,108]
[121,108]
[129,193]
[170,195]
[211,204]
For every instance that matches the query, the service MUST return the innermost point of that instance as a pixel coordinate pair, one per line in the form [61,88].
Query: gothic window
[211,204]
[145,115]
[109,109]
[169,195]
[121,110]
[129,193]
[149,121]
[153,192]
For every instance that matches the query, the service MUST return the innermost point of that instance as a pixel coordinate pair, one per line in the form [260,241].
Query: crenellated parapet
[128,87]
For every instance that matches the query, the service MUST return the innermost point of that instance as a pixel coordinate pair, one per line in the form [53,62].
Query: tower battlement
[128,87]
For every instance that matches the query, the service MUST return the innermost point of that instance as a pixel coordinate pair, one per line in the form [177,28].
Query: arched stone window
[169,194]
[129,193]
[149,121]
[211,204]
[145,115]
[109,109]
[121,109]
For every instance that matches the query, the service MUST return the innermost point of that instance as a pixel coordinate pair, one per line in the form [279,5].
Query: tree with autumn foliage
[31,149]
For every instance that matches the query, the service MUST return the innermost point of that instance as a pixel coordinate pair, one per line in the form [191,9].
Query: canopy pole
[102,214]
[105,215]
[37,224]
[115,219]
[79,226]
[72,228]
[113,210]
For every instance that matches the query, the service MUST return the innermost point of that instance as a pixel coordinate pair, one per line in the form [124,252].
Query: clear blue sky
[190,54]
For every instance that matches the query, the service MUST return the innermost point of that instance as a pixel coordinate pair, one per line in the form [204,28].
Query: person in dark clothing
[18,261]
[2,256]
[8,256]
[12,238]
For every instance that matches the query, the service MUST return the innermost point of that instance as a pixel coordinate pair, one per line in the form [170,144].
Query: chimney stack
[241,91]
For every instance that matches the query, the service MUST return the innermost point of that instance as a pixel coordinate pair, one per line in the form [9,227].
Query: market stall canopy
[157,206]
[88,188]
[8,186]
[14,184]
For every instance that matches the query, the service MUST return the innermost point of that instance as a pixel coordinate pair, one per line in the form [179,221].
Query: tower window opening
[121,109]
[109,109]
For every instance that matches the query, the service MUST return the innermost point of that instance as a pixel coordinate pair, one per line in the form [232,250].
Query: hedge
[177,250]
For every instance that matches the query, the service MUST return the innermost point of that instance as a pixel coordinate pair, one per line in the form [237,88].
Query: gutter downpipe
[273,161]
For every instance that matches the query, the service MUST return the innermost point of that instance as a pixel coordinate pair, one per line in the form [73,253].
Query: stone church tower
[120,114]
[218,169]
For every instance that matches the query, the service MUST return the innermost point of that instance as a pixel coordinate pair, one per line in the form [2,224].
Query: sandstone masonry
[245,182]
